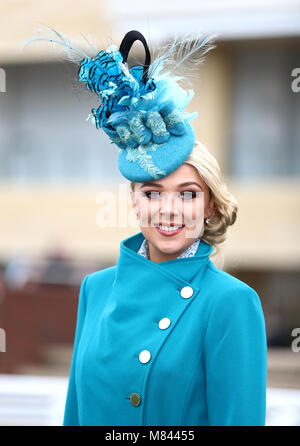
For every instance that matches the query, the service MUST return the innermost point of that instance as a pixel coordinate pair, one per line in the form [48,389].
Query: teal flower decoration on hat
[142,108]
[138,117]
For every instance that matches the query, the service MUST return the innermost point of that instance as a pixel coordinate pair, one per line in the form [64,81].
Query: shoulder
[233,306]
[229,290]
[96,284]
[101,277]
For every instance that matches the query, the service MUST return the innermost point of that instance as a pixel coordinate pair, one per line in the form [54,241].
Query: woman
[165,337]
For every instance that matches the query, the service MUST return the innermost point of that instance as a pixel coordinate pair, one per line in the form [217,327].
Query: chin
[169,246]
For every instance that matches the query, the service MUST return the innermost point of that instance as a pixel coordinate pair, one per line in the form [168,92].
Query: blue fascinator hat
[142,108]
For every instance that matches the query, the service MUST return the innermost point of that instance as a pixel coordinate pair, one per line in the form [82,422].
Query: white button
[144,356]
[186,292]
[164,323]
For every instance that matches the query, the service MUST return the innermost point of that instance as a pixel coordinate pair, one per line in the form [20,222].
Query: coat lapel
[145,292]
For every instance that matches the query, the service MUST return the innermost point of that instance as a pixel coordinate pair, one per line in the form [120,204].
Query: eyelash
[192,192]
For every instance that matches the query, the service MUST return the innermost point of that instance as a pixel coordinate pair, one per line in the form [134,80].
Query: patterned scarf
[189,252]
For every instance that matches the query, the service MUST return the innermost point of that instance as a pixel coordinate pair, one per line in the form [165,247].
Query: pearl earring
[207,220]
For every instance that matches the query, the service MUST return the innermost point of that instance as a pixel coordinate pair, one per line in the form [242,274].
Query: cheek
[189,208]
[193,211]
[199,206]
[147,209]
[148,206]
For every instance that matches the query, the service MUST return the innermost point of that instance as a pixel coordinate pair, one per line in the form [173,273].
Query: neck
[158,256]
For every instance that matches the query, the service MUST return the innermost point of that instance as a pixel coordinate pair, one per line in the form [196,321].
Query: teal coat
[207,368]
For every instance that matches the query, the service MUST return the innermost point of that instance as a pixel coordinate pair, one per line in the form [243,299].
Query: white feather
[72,49]
[182,56]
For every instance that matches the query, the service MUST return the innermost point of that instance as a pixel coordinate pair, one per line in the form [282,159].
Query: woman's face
[180,199]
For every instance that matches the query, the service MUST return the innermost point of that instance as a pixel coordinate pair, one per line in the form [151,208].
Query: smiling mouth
[169,229]
[169,225]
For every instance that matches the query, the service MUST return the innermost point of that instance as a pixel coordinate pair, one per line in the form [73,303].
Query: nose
[170,205]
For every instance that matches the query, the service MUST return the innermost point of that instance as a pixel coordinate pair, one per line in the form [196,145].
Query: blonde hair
[225,205]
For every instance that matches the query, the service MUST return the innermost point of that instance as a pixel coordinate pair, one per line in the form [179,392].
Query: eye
[154,194]
[188,194]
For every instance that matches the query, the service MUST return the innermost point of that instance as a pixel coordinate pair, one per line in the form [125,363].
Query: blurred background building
[55,167]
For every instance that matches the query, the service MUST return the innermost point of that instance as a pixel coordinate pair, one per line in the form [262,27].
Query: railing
[32,400]
[34,317]
[40,401]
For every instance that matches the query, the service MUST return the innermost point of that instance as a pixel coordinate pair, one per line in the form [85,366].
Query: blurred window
[265,130]
[44,134]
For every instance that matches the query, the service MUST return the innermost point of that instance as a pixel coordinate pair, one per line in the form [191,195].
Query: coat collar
[174,270]
[189,252]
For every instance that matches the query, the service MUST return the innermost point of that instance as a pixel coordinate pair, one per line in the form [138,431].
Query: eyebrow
[188,183]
